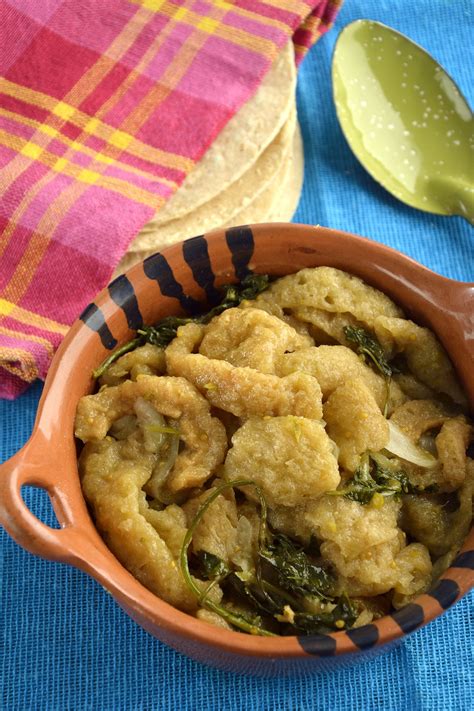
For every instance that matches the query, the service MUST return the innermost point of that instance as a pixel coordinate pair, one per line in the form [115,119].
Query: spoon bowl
[405,119]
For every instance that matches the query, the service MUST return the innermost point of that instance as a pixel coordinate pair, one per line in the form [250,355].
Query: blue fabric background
[68,646]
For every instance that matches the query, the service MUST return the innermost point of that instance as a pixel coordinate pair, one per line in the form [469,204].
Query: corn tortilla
[240,142]
[286,201]
[228,203]
[276,203]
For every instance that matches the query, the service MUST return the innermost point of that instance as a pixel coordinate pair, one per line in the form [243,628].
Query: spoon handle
[456,193]
[466,205]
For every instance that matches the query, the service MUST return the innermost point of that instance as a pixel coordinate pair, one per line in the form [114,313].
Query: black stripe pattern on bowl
[123,294]
[157,269]
[410,617]
[364,637]
[196,255]
[93,317]
[464,560]
[241,243]
[446,592]
[320,645]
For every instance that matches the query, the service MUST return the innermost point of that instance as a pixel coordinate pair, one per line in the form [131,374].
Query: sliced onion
[428,442]
[401,446]
[159,437]
[123,427]
[152,424]
[163,467]
[162,430]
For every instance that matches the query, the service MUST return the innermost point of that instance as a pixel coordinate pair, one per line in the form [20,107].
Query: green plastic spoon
[405,119]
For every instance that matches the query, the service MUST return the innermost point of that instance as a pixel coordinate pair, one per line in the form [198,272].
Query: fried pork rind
[170,524]
[425,356]
[460,522]
[334,365]
[451,443]
[290,458]
[271,307]
[259,372]
[412,388]
[326,328]
[361,542]
[245,392]
[291,521]
[217,530]
[354,422]
[414,574]
[365,544]
[442,531]
[112,481]
[373,572]
[352,526]
[203,436]
[329,299]
[250,337]
[417,417]
[427,521]
[145,360]
[248,528]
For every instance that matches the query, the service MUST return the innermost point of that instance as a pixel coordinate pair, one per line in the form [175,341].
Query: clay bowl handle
[36,465]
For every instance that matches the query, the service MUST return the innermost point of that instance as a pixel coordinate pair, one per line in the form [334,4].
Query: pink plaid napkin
[105,105]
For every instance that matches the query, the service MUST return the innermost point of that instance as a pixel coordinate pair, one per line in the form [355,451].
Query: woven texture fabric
[67,644]
[104,108]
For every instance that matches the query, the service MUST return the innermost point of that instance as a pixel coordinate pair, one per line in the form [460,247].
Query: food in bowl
[292,462]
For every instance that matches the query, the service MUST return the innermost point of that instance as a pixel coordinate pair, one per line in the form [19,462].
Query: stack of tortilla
[253,172]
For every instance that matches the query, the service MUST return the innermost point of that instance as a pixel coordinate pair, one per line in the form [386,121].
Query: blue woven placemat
[67,646]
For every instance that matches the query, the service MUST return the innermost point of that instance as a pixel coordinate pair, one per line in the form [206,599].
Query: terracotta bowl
[181,278]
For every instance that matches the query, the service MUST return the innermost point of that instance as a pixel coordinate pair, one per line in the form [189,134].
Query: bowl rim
[148,609]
